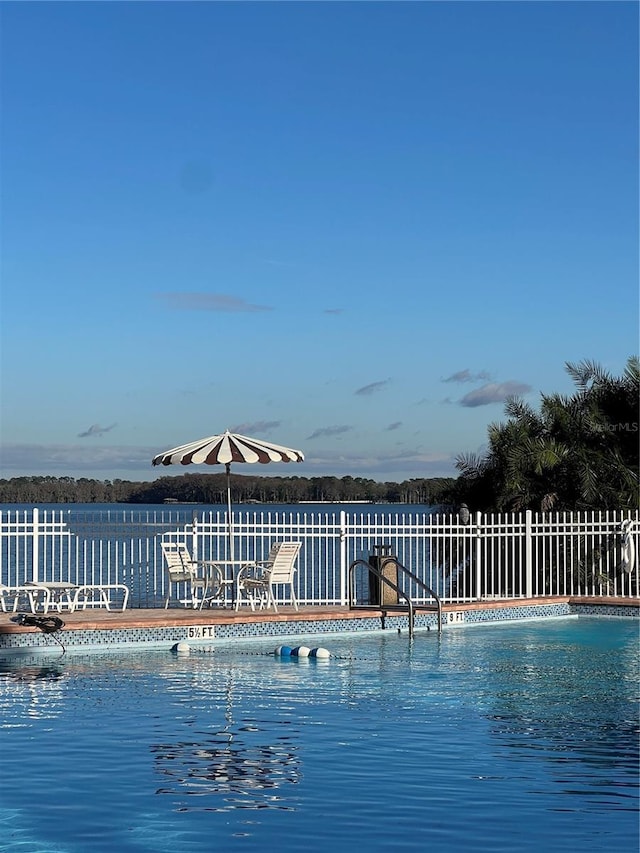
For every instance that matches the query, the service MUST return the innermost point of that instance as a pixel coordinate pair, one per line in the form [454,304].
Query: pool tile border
[221,630]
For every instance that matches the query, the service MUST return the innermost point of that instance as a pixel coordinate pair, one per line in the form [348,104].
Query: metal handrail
[420,583]
[378,572]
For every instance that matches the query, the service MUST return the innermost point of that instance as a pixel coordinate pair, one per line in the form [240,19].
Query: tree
[577,452]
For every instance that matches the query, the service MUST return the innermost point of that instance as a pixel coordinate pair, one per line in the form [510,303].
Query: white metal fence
[521,555]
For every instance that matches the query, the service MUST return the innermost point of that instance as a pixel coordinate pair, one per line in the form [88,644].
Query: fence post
[344,569]
[478,550]
[194,536]
[528,554]
[35,545]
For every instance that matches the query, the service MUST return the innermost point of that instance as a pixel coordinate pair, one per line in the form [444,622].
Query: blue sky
[350,228]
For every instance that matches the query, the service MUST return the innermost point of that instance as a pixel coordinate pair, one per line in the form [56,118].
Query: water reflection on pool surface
[510,737]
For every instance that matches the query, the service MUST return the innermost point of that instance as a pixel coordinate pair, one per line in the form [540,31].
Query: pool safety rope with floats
[301,652]
[280,651]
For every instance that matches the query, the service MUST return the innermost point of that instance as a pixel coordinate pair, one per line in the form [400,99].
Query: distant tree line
[208,488]
[40,489]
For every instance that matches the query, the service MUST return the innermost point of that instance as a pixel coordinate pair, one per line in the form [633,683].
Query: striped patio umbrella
[223,450]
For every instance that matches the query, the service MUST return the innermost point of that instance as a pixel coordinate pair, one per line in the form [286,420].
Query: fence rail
[522,555]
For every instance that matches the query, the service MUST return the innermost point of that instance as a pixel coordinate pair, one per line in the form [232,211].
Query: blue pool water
[517,737]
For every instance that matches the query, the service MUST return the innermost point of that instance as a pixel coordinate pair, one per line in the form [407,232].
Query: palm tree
[577,452]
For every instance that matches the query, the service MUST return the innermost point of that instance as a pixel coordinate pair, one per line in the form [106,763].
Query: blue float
[283,651]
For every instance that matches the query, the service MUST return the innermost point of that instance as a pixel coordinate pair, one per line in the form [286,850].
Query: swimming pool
[493,738]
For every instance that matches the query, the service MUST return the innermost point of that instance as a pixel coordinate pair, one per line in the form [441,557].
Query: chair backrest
[283,567]
[273,552]
[178,559]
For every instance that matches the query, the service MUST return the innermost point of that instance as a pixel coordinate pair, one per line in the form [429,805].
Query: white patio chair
[183,569]
[250,580]
[10,597]
[257,580]
[66,595]
[100,595]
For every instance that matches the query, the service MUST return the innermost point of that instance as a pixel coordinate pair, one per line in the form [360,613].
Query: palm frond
[470,464]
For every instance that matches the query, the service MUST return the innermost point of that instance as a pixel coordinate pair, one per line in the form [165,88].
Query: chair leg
[250,595]
[239,595]
[294,600]
[33,597]
[205,590]
[271,600]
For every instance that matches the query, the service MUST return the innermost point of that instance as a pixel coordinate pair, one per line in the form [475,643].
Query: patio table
[228,571]
[59,594]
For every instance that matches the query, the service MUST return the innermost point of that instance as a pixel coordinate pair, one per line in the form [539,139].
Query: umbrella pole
[229,519]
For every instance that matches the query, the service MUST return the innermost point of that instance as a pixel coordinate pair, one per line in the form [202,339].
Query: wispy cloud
[220,302]
[393,466]
[75,459]
[494,392]
[274,262]
[334,310]
[95,429]
[372,388]
[395,425]
[467,376]
[255,427]
[324,432]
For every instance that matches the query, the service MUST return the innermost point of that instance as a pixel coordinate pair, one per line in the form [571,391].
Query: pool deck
[100,619]
[136,628]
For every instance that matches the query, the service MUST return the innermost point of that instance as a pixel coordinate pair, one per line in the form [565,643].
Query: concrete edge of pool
[92,630]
